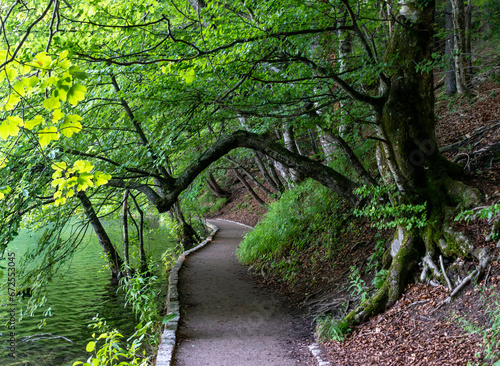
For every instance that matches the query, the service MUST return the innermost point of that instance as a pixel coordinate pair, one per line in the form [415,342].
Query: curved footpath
[226,320]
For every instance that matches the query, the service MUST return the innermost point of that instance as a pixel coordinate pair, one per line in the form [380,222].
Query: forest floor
[416,331]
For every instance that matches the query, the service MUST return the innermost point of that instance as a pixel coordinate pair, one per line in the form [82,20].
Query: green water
[82,290]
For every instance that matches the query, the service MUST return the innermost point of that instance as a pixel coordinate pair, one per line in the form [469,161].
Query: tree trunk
[340,143]
[126,242]
[114,259]
[187,235]
[450,81]
[291,145]
[327,144]
[215,188]
[263,171]
[140,235]
[410,158]
[460,48]
[250,190]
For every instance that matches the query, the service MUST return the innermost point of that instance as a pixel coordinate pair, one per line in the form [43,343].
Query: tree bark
[450,80]
[409,156]
[460,47]
[327,176]
[291,145]
[215,188]
[250,190]
[140,235]
[264,172]
[114,259]
[126,241]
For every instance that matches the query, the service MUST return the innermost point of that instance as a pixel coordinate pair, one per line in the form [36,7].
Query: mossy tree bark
[409,158]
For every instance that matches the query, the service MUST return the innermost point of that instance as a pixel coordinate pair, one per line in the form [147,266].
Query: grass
[292,224]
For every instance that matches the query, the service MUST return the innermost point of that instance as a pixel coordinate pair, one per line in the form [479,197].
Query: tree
[170,85]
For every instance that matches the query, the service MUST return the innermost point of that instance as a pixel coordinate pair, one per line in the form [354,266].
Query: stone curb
[168,337]
[316,352]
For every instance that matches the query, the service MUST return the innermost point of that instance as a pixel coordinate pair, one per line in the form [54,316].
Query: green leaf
[11,102]
[46,135]
[82,166]
[101,178]
[52,103]
[32,123]
[84,181]
[60,166]
[189,76]
[57,115]
[43,60]
[76,93]
[9,127]
[90,346]
[71,125]
[77,73]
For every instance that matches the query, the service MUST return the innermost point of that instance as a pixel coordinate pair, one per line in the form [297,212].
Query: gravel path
[227,320]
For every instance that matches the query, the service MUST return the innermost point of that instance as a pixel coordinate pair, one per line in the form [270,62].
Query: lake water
[81,291]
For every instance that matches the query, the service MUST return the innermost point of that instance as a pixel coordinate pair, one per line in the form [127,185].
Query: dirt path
[227,320]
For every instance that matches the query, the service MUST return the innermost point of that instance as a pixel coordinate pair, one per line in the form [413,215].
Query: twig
[450,287]
[417,302]
[465,281]
[487,275]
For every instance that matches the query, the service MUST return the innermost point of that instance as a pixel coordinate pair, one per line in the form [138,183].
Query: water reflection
[82,290]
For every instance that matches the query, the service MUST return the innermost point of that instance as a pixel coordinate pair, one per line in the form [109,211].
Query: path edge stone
[168,337]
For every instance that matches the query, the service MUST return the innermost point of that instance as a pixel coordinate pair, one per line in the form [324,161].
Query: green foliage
[386,214]
[329,328]
[487,213]
[376,257]
[379,279]
[490,213]
[170,256]
[141,294]
[357,285]
[108,348]
[291,224]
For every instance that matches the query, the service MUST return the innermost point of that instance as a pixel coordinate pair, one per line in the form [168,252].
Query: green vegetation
[307,216]
[118,109]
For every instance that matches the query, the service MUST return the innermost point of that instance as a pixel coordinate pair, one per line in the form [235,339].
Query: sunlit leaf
[8,128]
[71,125]
[33,122]
[82,166]
[101,178]
[47,135]
[76,93]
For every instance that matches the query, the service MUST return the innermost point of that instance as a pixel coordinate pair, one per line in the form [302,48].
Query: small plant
[379,279]
[169,257]
[385,214]
[108,348]
[491,337]
[376,257]
[358,285]
[490,213]
[330,328]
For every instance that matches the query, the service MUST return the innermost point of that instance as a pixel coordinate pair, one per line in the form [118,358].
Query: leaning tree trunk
[410,158]
[114,260]
[187,235]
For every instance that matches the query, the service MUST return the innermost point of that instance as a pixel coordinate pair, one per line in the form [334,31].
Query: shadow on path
[226,320]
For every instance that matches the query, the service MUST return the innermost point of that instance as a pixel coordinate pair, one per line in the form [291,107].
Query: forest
[361,130]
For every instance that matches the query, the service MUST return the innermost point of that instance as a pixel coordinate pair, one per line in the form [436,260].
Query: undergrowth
[305,217]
